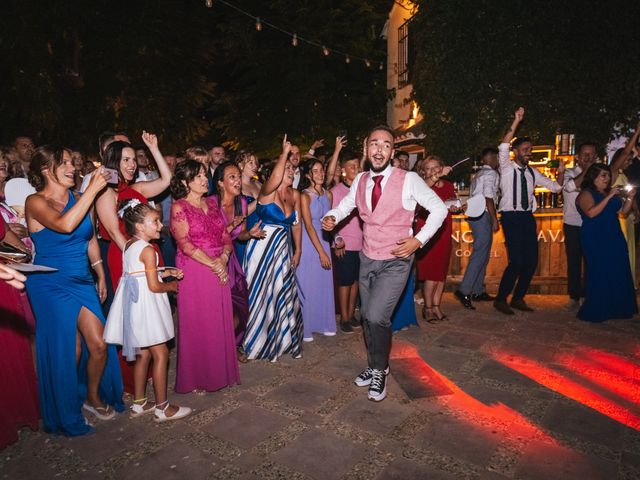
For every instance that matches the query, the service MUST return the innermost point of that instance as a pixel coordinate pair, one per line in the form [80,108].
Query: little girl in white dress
[140,316]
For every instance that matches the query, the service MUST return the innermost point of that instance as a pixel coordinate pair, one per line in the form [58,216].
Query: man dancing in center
[386,199]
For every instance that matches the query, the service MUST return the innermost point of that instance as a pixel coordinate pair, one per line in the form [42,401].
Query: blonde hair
[199,154]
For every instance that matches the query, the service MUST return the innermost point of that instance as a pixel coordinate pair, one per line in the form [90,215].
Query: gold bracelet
[97,262]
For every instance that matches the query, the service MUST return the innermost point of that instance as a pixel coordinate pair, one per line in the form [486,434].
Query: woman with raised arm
[120,156]
[206,359]
[314,275]
[609,290]
[275,319]
[76,369]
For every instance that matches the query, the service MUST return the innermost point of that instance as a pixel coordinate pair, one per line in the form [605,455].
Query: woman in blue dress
[609,291]
[405,313]
[315,278]
[76,369]
[275,320]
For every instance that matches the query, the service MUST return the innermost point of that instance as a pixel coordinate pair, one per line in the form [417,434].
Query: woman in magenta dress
[19,398]
[120,156]
[206,340]
[432,260]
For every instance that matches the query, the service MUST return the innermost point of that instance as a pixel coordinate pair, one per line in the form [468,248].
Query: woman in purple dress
[227,187]
[315,279]
[206,341]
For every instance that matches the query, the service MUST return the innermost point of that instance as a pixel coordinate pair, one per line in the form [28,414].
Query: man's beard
[379,169]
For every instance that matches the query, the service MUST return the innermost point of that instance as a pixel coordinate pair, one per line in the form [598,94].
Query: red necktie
[377,191]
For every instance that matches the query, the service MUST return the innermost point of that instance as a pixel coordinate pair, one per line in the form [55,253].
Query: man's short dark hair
[346,155]
[586,144]
[400,153]
[488,151]
[520,140]
[384,128]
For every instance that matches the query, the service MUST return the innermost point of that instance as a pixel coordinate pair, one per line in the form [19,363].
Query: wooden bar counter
[551,274]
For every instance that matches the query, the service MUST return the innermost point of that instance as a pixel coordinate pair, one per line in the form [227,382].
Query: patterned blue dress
[56,299]
[275,319]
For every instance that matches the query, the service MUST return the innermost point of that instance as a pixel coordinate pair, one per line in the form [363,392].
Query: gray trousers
[381,284]
[473,280]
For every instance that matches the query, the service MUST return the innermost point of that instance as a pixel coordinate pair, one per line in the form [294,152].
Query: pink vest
[389,222]
[350,229]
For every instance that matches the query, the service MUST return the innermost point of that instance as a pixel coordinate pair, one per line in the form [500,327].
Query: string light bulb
[258,24]
[381,66]
[325,51]
[209,3]
[294,40]
[367,63]
[347,59]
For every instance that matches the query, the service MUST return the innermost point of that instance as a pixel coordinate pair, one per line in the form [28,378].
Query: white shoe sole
[378,397]
[181,413]
[307,339]
[93,411]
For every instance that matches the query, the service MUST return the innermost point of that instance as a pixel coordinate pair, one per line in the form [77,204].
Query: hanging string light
[381,66]
[295,38]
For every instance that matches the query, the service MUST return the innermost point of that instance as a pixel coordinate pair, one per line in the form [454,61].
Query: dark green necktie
[524,194]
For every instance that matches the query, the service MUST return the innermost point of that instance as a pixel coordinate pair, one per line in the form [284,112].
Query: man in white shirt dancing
[386,199]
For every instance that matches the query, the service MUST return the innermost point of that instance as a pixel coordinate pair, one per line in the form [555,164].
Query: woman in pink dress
[206,341]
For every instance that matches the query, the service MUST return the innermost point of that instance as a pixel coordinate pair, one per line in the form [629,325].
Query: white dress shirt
[485,183]
[414,192]
[296,178]
[569,195]
[507,169]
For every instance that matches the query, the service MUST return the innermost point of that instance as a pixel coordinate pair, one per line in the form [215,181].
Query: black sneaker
[355,323]
[345,327]
[378,387]
[364,379]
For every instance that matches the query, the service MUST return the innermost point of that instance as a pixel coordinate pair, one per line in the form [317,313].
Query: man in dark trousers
[517,183]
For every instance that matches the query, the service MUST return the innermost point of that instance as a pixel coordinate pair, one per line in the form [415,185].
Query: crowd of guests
[254,258]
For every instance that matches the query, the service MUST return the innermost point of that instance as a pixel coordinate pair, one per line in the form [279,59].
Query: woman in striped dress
[275,319]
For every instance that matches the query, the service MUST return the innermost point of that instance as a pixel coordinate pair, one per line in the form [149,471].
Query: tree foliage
[268,87]
[189,73]
[73,69]
[573,65]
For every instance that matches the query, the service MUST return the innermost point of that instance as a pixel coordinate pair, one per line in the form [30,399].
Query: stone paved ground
[482,397]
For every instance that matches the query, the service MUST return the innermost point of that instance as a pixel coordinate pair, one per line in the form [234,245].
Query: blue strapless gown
[609,291]
[275,319]
[56,299]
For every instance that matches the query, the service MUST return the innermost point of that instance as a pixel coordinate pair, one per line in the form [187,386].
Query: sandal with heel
[439,318]
[428,315]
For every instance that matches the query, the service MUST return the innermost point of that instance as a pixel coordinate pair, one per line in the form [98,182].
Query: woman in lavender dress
[315,279]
